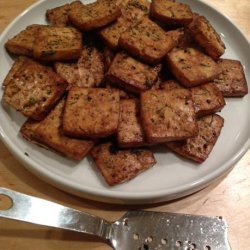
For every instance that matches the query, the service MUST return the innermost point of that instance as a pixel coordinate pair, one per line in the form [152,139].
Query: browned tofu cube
[87,72]
[207,37]
[58,16]
[91,112]
[171,12]
[16,66]
[191,67]
[168,115]
[69,72]
[57,44]
[94,15]
[23,43]
[130,133]
[199,147]
[48,132]
[133,11]
[117,166]
[232,80]
[34,90]
[207,99]
[131,74]
[147,41]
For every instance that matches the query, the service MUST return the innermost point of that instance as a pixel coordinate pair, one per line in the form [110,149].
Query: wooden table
[229,196]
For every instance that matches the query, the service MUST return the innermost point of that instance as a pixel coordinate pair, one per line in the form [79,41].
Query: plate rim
[116,196]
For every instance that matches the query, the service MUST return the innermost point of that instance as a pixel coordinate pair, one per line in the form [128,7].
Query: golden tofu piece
[49,132]
[191,67]
[147,41]
[132,12]
[94,15]
[91,67]
[199,147]
[131,74]
[23,43]
[232,80]
[117,166]
[28,131]
[16,66]
[91,112]
[87,72]
[130,133]
[207,37]
[69,72]
[57,44]
[171,13]
[58,16]
[168,115]
[207,99]
[34,90]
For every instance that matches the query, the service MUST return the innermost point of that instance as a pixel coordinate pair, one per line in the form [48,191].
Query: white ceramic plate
[171,177]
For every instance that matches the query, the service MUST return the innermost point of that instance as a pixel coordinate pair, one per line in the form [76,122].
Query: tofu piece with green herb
[207,98]
[94,15]
[57,44]
[132,12]
[147,41]
[34,90]
[170,12]
[232,81]
[58,16]
[130,132]
[91,112]
[48,133]
[199,147]
[191,67]
[131,74]
[168,115]
[23,43]
[118,166]
[207,37]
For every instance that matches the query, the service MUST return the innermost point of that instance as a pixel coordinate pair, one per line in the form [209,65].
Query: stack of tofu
[112,79]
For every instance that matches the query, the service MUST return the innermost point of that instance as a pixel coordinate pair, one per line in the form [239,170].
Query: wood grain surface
[228,196]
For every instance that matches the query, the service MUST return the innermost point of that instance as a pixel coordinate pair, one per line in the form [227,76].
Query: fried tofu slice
[191,67]
[23,43]
[170,12]
[146,41]
[207,98]
[132,12]
[58,16]
[49,132]
[34,90]
[168,115]
[91,112]
[199,147]
[207,37]
[16,66]
[130,132]
[232,80]
[94,15]
[131,74]
[58,44]
[87,72]
[117,166]
[91,67]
